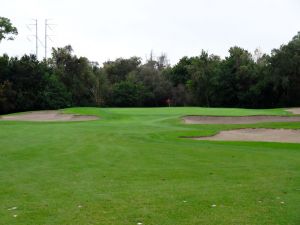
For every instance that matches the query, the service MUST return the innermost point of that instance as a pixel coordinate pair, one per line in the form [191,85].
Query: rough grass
[131,167]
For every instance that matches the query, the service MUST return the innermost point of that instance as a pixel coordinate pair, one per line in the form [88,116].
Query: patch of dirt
[294,110]
[260,135]
[238,119]
[48,116]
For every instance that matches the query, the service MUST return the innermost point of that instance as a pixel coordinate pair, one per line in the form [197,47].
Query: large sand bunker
[49,115]
[238,119]
[265,135]
[294,110]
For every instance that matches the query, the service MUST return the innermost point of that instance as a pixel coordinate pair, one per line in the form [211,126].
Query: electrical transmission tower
[37,40]
[47,36]
[35,24]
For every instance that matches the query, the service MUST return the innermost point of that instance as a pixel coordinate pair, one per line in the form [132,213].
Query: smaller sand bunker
[259,135]
[238,119]
[48,116]
[294,110]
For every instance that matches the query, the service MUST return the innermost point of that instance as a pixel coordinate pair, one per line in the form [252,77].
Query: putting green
[130,167]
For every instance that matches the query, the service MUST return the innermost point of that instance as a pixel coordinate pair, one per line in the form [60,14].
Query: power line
[47,36]
[36,36]
[35,24]
[46,22]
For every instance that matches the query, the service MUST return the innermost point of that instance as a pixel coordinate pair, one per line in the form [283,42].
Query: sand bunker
[238,119]
[43,116]
[294,110]
[265,135]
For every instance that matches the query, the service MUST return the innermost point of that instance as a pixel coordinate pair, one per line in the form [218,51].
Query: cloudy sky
[108,29]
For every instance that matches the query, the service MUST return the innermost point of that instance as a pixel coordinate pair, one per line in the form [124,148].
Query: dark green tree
[285,72]
[7,30]
[127,94]
[203,72]
[76,73]
[117,70]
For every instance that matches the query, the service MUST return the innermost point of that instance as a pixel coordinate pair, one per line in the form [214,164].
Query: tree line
[65,80]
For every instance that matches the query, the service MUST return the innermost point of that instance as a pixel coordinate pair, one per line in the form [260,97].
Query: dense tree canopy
[240,80]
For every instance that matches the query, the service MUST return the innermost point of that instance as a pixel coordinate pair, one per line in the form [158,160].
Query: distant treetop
[7,30]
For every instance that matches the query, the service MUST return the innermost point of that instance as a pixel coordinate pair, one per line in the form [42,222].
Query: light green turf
[131,167]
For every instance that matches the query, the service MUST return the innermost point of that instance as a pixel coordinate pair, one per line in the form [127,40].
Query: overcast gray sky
[108,29]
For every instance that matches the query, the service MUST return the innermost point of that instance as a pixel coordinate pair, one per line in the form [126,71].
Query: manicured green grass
[131,167]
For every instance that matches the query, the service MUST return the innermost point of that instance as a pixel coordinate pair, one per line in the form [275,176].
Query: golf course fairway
[133,166]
